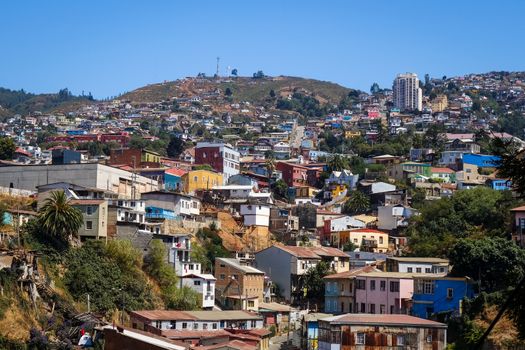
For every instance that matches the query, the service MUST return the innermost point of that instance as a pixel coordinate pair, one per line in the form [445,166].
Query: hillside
[243,88]
[21,102]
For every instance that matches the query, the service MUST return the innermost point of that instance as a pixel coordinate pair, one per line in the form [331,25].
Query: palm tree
[358,203]
[270,166]
[338,163]
[58,218]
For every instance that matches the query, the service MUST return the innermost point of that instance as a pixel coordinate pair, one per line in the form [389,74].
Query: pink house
[384,292]
[518,229]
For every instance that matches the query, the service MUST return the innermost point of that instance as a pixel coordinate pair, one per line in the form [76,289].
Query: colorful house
[438,295]
[384,292]
[340,290]
[173,179]
[200,180]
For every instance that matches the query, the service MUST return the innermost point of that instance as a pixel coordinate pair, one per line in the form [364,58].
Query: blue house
[481,160]
[499,184]
[435,295]
[159,213]
[173,179]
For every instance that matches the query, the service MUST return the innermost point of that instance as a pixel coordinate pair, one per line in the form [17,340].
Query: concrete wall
[277,264]
[95,175]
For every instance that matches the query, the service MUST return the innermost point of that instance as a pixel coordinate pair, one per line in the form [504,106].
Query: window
[424,286]
[204,326]
[158,324]
[253,324]
[382,285]
[409,269]
[214,326]
[382,309]
[450,293]
[222,324]
[394,286]
[89,225]
[427,270]
[195,325]
[195,179]
[429,338]
[222,276]
[363,308]
[89,210]
[418,269]
[360,338]
[196,283]
[360,284]
[372,285]
[400,340]
[380,239]
[251,303]
[372,308]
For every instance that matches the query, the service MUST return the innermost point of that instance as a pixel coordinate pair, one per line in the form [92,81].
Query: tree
[511,164]
[313,280]
[358,203]
[258,75]
[228,92]
[270,166]
[234,72]
[7,148]
[58,218]
[374,89]
[338,163]
[493,262]
[349,246]
[281,188]
[175,147]
[272,93]
[468,213]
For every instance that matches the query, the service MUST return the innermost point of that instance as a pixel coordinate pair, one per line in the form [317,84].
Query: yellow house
[368,239]
[150,156]
[200,180]
[440,103]
[352,133]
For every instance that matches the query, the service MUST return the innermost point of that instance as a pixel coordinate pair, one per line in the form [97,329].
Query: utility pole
[88,303]
[217,71]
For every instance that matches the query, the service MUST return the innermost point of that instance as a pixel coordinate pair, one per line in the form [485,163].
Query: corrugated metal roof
[419,259]
[352,273]
[236,264]
[383,320]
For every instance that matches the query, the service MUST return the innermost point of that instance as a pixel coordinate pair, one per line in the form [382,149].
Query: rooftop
[419,259]
[383,320]
[351,273]
[237,264]
[168,315]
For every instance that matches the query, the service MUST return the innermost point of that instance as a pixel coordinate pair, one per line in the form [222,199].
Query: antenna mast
[217,72]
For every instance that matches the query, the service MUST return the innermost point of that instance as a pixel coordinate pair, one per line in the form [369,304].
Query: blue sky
[108,46]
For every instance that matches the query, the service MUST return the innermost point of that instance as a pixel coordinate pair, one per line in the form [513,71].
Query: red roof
[189,334]
[351,273]
[175,171]
[370,230]
[312,252]
[522,208]
[442,170]
[383,320]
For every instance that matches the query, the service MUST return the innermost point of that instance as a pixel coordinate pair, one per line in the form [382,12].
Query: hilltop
[22,102]
[246,89]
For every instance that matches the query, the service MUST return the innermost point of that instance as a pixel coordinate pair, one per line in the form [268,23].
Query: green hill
[21,102]
[243,88]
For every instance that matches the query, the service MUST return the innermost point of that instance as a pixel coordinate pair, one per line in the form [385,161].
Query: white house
[204,284]
[256,214]
[417,265]
[281,150]
[344,177]
[390,217]
[345,222]
[129,211]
